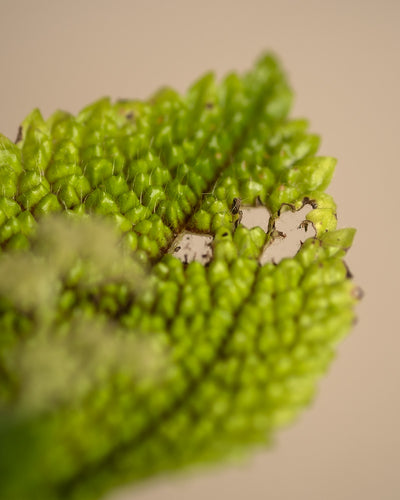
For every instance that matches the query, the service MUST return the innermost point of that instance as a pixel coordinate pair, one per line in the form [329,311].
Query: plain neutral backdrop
[343,60]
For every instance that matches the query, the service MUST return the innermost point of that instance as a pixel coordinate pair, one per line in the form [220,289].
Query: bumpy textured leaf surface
[119,361]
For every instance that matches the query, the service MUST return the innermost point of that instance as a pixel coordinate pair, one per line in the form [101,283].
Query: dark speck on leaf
[349,274]
[19,135]
[235,206]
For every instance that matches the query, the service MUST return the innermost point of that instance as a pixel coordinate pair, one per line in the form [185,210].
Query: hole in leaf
[290,233]
[255,216]
[188,247]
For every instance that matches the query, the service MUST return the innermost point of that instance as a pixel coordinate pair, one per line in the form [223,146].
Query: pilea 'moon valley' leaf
[118,361]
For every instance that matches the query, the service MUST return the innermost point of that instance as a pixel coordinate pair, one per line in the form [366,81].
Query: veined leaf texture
[118,361]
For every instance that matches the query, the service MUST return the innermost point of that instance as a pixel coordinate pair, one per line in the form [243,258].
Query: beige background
[343,60]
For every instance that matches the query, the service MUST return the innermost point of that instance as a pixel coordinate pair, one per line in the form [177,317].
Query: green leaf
[118,361]
[342,238]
